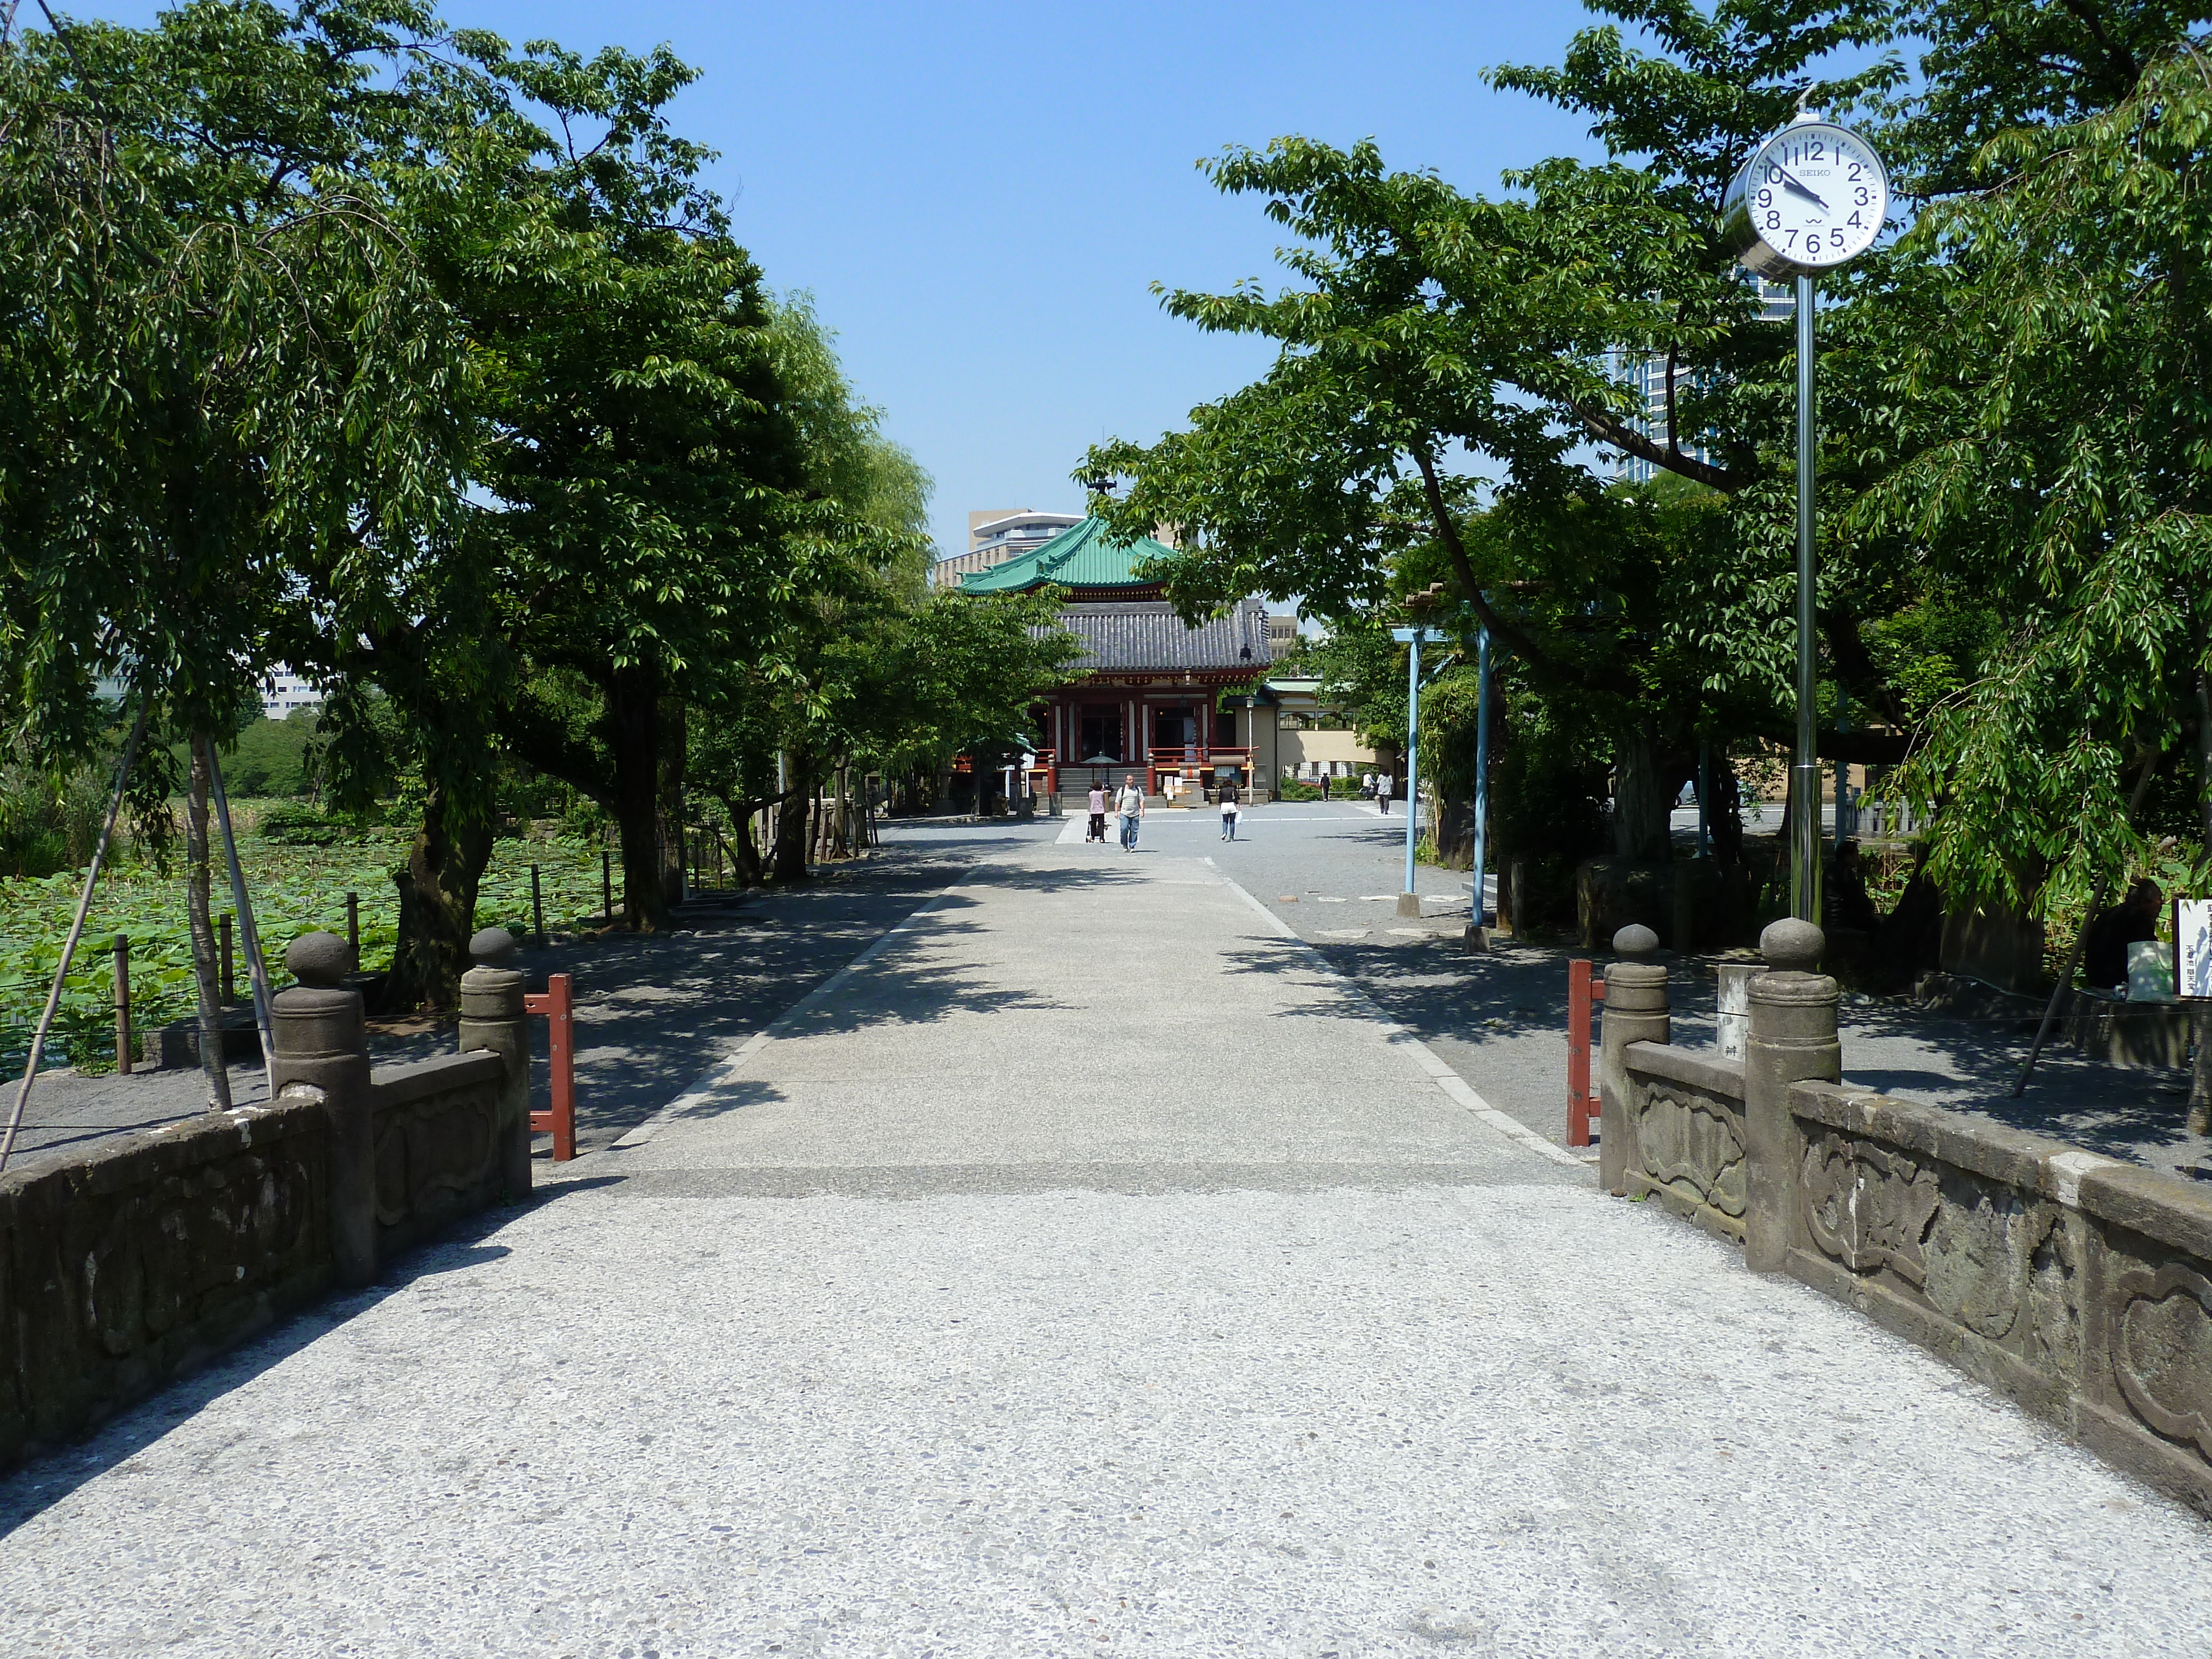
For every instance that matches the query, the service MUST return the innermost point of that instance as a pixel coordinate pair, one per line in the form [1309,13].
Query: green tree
[227,376]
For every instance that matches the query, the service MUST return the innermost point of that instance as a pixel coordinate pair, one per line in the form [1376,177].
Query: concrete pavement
[1087,1270]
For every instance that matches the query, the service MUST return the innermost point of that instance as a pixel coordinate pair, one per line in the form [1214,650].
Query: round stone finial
[1635,940]
[491,947]
[319,960]
[1792,946]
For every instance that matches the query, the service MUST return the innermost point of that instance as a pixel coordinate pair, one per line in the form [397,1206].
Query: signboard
[2192,948]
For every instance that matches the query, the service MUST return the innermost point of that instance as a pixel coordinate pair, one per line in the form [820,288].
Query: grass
[294,889]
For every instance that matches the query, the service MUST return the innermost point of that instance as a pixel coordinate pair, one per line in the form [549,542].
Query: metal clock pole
[1805,779]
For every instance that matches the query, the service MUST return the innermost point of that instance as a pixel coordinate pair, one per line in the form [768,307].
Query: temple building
[1179,706]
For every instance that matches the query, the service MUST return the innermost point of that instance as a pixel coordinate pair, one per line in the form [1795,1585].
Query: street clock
[1812,198]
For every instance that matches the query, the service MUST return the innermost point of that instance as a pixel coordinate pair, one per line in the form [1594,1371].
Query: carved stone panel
[2054,1301]
[2162,1350]
[1993,1259]
[1869,1207]
[433,1155]
[1980,1252]
[1689,1141]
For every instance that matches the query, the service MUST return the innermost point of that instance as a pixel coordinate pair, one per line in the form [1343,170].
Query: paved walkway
[1087,1270]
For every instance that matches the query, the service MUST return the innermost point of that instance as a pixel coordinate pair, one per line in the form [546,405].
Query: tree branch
[1501,630]
[1606,428]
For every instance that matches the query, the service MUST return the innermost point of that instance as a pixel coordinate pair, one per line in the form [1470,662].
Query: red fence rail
[558,1004]
[1583,989]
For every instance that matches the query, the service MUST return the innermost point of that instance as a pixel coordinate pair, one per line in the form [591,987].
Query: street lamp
[1418,607]
[1812,198]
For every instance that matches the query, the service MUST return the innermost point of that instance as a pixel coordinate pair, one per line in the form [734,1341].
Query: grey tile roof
[1148,634]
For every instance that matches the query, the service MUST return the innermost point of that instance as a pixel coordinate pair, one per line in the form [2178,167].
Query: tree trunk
[791,823]
[437,910]
[1723,818]
[745,853]
[1640,801]
[203,931]
[672,834]
[633,712]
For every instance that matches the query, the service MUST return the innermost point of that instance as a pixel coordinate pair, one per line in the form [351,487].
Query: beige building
[997,535]
[1300,736]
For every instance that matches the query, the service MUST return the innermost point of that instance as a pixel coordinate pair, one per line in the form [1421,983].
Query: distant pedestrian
[1131,806]
[1229,804]
[1098,830]
[1367,785]
[1383,791]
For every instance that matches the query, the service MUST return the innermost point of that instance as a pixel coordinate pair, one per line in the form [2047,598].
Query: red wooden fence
[1583,989]
[558,1004]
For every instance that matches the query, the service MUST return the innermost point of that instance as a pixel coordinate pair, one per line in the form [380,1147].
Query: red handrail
[557,1003]
[1583,989]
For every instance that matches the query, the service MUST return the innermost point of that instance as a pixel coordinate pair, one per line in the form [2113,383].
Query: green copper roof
[1080,556]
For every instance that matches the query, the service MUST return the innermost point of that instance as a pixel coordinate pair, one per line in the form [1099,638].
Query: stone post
[1732,1023]
[1792,1039]
[493,1017]
[322,1053]
[1635,1012]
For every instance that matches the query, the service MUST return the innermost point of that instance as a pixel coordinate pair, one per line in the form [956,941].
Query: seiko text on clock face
[1816,195]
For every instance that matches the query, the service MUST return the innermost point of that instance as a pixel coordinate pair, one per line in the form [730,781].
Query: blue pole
[1412,770]
[1482,779]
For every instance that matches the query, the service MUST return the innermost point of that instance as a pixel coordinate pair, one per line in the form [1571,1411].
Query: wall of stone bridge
[2078,1284]
[132,1263]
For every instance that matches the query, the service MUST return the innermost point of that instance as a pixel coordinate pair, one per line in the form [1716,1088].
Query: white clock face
[1815,195]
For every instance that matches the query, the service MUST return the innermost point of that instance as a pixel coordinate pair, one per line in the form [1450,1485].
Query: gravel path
[1087,1270]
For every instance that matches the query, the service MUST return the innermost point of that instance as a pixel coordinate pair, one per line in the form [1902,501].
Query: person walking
[1382,793]
[1131,806]
[1367,785]
[1097,831]
[1229,801]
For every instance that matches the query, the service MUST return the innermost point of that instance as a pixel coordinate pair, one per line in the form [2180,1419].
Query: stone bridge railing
[2080,1285]
[134,1262]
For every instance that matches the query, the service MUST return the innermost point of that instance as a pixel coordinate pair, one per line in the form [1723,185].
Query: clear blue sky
[978,195]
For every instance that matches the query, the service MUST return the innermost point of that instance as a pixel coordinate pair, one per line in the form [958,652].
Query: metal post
[1805,797]
[1409,902]
[256,969]
[1482,779]
[122,1005]
[537,909]
[353,929]
[229,970]
[46,1024]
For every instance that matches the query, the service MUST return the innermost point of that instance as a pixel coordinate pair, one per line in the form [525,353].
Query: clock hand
[1794,188]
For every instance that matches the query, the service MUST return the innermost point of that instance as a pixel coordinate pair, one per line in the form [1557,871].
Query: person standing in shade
[1131,806]
[1228,794]
[2104,950]
[1383,791]
[1097,830]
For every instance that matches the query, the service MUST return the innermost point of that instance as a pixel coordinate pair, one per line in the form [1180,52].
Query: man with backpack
[1131,806]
